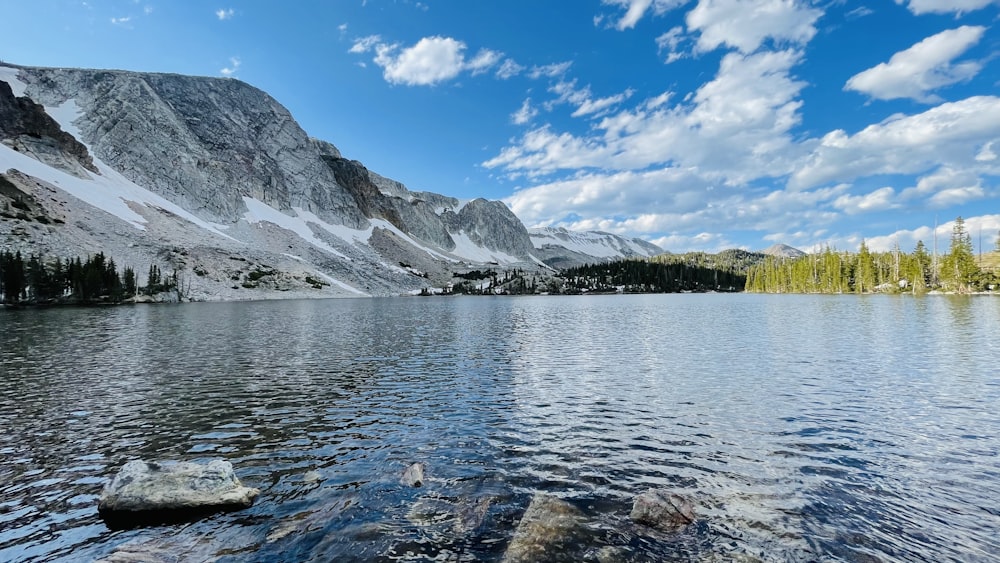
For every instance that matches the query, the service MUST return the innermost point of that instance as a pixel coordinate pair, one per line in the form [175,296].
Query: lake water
[803,428]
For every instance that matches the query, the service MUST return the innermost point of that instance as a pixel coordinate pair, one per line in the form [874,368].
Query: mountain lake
[800,428]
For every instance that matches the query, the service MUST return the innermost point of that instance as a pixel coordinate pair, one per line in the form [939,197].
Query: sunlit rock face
[214,179]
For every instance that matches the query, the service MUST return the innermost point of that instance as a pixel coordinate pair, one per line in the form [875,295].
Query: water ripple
[871,435]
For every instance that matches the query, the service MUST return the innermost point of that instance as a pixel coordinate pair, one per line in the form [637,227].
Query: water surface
[803,428]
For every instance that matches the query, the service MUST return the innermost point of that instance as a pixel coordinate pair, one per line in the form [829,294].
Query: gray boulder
[662,510]
[155,492]
[413,476]
[548,527]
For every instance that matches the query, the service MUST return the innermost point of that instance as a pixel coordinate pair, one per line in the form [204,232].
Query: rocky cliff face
[202,142]
[491,224]
[215,178]
[25,127]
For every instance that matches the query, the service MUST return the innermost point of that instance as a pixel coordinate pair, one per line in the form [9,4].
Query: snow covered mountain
[214,179]
[561,248]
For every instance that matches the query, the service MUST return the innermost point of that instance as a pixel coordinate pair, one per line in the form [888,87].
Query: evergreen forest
[96,279]
[831,271]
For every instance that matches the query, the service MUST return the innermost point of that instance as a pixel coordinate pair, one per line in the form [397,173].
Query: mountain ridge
[198,172]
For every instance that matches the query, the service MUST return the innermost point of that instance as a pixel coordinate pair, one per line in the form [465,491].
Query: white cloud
[365,44]
[600,105]
[525,114]
[123,21]
[431,60]
[483,60]
[234,65]
[924,67]
[986,154]
[553,70]
[956,196]
[746,24]
[147,10]
[907,239]
[951,134]
[342,28]
[919,7]
[508,69]
[734,127]
[225,14]
[636,9]
[878,200]
[670,42]
[859,12]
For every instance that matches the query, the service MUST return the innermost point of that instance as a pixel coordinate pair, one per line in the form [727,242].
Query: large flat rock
[153,492]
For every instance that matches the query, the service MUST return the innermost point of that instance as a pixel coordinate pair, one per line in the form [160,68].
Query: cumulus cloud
[430,61]
[951,134]
[735,125]
[919,7]
[907,238]
[668,200]
[225,14]
[924,67]
[878,200]
[746,25]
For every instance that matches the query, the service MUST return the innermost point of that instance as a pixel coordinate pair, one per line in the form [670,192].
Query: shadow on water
[871,436]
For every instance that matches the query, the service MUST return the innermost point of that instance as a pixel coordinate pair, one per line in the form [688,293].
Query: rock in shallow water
[413,476]
[546,529]
[155,492]
[662,510]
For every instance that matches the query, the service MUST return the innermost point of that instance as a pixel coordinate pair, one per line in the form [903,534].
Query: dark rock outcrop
[662,510]
[25,127]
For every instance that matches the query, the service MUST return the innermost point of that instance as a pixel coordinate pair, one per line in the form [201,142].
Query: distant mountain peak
[783,251]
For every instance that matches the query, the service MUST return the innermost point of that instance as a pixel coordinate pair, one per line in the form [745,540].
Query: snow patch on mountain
[110,191]
[593,243]
[465,248]
[9,75]
[65,114]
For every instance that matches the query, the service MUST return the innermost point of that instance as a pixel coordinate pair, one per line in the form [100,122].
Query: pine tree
[958,267]
[864,271]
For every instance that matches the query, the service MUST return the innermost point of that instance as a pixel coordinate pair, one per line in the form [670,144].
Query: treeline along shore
[831,271]
[93,280]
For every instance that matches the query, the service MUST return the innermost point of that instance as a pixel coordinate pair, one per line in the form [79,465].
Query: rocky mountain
[560,248]
[214,179]
[783,251]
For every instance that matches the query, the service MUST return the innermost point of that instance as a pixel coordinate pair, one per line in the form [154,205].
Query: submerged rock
[413,476]
[547,527]
[663,510]
[155,492]
[470,514]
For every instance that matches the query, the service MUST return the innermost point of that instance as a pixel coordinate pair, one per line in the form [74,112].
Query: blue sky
[696,124]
